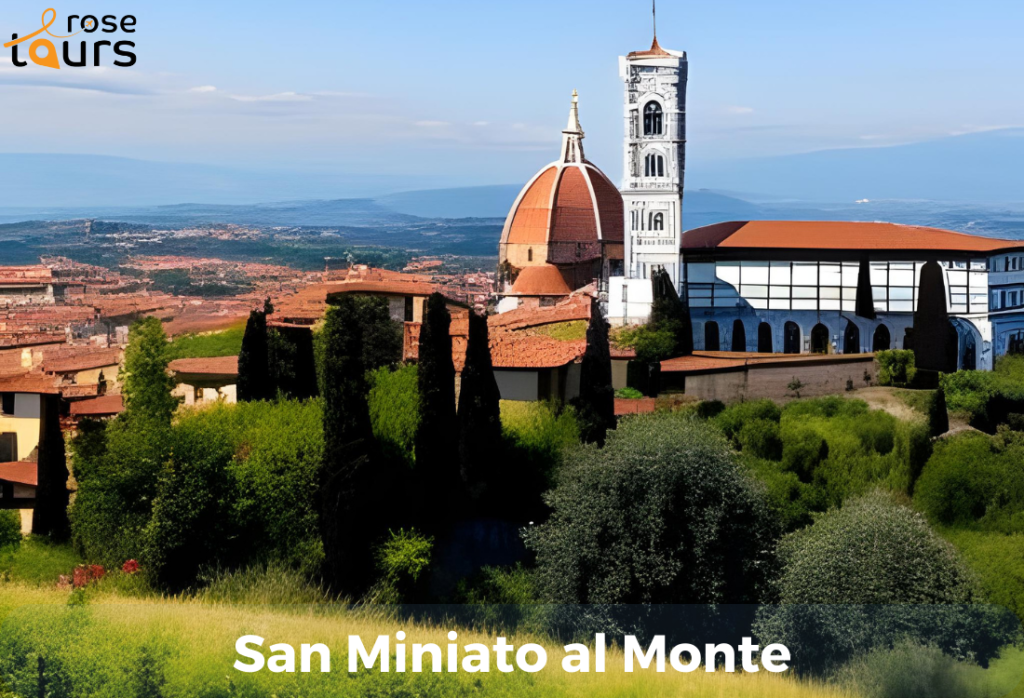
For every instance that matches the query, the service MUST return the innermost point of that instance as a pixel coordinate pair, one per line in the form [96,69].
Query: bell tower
[654,151]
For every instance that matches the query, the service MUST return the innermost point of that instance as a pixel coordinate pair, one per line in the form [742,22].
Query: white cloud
[431,124]
[739,111]
[279,97]
[204,88]
[481,123]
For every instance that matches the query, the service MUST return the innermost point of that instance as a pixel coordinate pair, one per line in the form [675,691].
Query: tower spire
[654,18]
[572,136]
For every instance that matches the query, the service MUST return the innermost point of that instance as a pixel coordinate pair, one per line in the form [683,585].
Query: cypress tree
[668,311]
[50,517]
[382,335]
[436,459]
[147,384]
[596,402]
[305,364]
[479,413]
[865,304]
[350,520]
[934,335]
[938,415]
[254,379]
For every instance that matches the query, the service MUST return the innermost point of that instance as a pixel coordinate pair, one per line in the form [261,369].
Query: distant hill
[464,202]
[60,181]
[973,168]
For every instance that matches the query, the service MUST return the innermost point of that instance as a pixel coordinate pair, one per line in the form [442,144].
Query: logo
[43,52]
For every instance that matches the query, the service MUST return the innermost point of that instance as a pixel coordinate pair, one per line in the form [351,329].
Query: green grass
[998,561]
[564,331]
[917,400]
[37,562]
[208,344]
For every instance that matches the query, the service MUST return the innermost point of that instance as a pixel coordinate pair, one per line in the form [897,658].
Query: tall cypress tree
[865,304]
[596,402]
[50,517]
[350,489]
[668,311]
[437,461]
[254,375]
[479,413]
[934,335]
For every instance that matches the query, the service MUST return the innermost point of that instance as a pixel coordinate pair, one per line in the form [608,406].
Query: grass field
[208,344]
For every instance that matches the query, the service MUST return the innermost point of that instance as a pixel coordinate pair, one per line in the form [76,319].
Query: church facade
[752,286]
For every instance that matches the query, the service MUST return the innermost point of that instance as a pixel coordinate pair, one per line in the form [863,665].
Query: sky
[456,93]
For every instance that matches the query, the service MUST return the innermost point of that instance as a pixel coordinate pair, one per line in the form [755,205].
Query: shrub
[661,514]
[732,418]
[910,670]
[628,394]
[803,450]
[998,561]
[760,438]
[10,528]
[988,398]
[650,344]
[896,367]
[974,480]
[873,553]
[394,411]
[595,404]
[403,560]
[709,409]
[938,416]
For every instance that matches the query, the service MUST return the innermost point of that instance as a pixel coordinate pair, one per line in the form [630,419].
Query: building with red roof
[567,221]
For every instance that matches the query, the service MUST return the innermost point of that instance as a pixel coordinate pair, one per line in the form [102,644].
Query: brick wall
[757,382]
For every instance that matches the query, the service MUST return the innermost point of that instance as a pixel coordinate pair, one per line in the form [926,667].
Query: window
[529,255]
[8,447]
[658,221]
[7,403]
[408,309]
[654,165]
[652,119]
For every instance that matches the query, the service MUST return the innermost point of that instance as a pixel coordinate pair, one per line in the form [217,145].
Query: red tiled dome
[541,280]
[566,202]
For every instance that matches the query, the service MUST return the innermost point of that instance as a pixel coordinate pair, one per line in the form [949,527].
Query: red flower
[130,567]
[96,572]
[80,577]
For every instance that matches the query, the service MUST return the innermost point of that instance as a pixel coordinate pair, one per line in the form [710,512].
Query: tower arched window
[654,165]
[652,119]
[529,255]
[657,221]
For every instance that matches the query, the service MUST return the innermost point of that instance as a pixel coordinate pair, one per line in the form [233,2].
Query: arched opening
[881,341]
[791,338]
[654,165]
[529,255]
[764,338]
[652,119]
[739,336]
[970,360]
[851,339]
[658,221]
[819,339]
[711,337]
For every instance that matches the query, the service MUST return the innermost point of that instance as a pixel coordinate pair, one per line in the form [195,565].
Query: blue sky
[476,92]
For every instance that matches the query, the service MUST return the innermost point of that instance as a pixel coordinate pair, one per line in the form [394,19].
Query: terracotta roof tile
[98,407]
[29,276]
[38,383]
[20,473]
[540,280]
[531,217]
[93,359]
[575,307]
[216,366]
[833,235]
[573,218]
[654,51]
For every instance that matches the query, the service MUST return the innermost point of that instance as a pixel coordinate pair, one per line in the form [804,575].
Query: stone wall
[755,382]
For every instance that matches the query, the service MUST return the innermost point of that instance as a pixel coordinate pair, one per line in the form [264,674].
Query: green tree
[595,405]
[661,515]
[934,337]
[938,415]
[50,517]
[669,313]
[869,574]
[479,414]
[437,460]
[351,489]
[147,385]
[255,381]
[382,335]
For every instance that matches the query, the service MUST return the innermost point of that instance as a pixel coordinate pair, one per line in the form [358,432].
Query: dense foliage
[873,553]
[219,488]
[988,398]
[975,481]
[896,367]
[207,344]
[145,382]
[670,314]
[394,402]
[10,528]
[813,454]
[661,514]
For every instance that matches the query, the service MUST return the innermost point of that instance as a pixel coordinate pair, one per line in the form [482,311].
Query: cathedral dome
[570,201]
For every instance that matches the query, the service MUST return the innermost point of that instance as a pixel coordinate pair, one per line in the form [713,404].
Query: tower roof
[569,200]
[654,51]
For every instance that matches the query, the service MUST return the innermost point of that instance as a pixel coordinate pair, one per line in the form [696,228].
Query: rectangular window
[408,307]
[7,405]
[805,274]
[8,447]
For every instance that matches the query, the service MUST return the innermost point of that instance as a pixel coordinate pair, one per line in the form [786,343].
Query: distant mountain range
[973,168]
